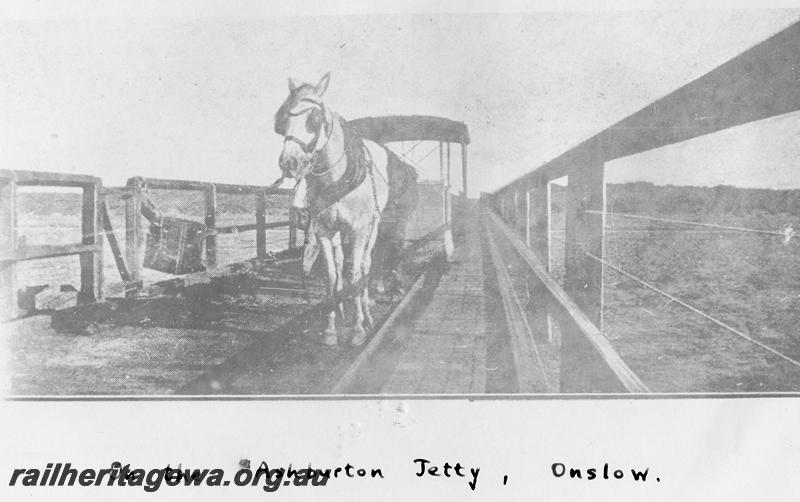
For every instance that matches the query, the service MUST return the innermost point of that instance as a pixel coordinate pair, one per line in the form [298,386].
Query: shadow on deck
[250,330]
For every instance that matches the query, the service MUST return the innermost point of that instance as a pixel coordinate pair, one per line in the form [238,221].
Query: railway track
[386,334]
[290,360]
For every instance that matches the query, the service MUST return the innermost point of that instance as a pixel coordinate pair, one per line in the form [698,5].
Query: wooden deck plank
[446,350]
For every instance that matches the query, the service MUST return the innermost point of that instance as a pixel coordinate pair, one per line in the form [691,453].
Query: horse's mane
[401,175]
[355,172]
[353,145]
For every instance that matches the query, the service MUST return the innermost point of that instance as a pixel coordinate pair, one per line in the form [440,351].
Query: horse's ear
[293,84]
[322,86]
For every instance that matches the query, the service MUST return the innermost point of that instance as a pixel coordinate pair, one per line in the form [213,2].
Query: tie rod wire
[693,309]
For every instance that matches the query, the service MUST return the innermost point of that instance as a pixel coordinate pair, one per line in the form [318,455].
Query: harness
[359,165]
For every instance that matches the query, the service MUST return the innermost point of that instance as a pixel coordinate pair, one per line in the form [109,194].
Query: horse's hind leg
[366,265]
[338,260]
[329,336]
[360,252]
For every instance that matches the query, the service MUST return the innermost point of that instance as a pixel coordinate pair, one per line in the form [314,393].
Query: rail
[757,84]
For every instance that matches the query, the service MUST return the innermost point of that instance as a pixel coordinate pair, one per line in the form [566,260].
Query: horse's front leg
[338,261]
[357,285]
[329,336]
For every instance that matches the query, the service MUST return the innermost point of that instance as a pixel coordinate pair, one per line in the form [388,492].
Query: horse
[345,184]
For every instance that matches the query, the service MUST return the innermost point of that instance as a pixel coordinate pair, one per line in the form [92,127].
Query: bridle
[310,148]
[321,123]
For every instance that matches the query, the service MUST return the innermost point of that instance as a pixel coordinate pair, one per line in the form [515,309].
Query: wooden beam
[609,372]
[149,209]
[43,178]
[201,186]
[116,251]
[583,279]
[528,365]
[210,193]
[464,168]
[261,221]
[528,219]
[91,261]
[36,252]
[8,245]
[757,84]
[548,251]
[535,212]
[133,232]
[246,227]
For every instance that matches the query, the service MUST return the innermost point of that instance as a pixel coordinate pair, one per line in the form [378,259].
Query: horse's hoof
[330,339]
[359,337]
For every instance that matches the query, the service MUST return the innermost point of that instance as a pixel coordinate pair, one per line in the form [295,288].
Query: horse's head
[305,124]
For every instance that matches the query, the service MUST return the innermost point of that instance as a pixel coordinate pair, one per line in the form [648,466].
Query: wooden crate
[175,246]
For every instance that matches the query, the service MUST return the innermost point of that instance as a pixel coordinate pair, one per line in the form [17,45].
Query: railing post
[535,213]
[583,275]
[8,248]
[464,168]
[91,261]
[211,226]
[546,225]
[261,231]
[528,219]
[133,234]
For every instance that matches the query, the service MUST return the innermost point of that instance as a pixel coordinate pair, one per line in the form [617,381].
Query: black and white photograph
[376,250]
[414,204]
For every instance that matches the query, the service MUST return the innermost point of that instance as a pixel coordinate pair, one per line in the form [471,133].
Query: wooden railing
[90,248]
[588,361]
[762,82]
[95,223]
[135,203]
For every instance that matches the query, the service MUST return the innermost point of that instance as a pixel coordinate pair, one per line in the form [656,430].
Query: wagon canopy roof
[411,128]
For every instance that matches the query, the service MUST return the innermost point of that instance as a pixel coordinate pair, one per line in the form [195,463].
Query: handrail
[171,184]
[95,222]
[35,252]
[232,229]
[604,352]
[44,178]
[729,95]
[137,205]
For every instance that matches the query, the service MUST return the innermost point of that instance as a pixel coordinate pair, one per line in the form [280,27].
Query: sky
[193,97]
